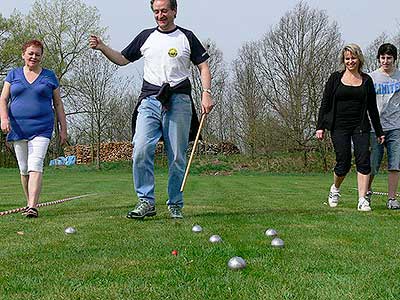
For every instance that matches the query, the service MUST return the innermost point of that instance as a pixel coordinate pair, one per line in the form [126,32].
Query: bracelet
[207,91]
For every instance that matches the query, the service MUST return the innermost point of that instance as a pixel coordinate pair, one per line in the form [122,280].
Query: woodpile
[122,151]
[108,152]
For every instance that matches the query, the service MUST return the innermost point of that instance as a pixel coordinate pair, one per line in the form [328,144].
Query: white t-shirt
[387,90]
[167,55]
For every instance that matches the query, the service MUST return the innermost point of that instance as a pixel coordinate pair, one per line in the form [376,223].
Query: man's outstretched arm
[116,57]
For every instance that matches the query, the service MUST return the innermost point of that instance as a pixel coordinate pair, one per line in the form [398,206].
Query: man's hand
[116,57]
[207,104]
[95,42]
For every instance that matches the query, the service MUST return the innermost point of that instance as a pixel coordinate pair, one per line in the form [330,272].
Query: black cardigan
[327,110]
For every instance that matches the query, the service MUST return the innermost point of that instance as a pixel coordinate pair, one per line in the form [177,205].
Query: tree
[96,99]
[250,105]
[214,126]
[64,26]
[371,63]
[12,36]
[294,60]
[121,109]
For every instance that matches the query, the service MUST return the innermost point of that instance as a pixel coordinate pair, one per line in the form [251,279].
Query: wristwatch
[207,91]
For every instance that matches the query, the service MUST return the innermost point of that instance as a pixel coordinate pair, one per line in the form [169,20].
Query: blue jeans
[392,144]
[154,121]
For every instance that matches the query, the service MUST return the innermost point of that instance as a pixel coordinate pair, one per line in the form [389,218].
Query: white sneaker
[393,204]
[333,198]
[363,205]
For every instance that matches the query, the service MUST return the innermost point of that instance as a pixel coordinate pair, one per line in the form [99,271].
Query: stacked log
[122,151]
[108,152]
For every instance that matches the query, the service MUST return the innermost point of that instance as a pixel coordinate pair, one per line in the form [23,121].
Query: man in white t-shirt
[165,108]
[387,86]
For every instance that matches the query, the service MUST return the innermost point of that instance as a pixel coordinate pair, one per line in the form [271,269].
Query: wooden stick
[203,116]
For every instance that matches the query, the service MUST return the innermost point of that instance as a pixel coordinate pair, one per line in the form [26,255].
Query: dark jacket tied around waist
[163,94]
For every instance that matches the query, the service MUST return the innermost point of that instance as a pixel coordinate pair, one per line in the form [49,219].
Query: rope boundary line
[16,210]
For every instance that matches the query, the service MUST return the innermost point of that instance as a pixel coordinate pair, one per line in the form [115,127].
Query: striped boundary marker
[379,193]
[383,193]
[16,210]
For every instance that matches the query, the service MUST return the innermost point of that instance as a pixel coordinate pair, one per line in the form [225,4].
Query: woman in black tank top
[348,104]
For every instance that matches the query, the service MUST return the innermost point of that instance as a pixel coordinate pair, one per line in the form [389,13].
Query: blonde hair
[356,51]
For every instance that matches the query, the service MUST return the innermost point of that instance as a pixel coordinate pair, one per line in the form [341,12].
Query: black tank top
[349,103]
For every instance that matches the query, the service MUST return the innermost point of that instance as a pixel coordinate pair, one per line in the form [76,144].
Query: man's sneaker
[393,204]
[142,209]
[334,195]
[175,212]
[363,205]
[368,197]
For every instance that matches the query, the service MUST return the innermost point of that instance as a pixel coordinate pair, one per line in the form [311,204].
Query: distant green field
[329,253]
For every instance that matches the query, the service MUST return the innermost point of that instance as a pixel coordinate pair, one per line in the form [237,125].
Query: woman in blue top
[28,119]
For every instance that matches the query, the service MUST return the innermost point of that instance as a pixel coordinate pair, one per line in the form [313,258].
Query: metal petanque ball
[215,238]
[70,230]
[197,228]
[271,232]
[236,263]
[277,242]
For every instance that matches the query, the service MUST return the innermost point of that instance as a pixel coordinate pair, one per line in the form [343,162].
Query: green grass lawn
[329,253]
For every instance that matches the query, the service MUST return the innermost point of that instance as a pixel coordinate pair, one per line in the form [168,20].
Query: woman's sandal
[31,212]
[24,210]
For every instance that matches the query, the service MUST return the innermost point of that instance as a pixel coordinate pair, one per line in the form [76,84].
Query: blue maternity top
[31,108]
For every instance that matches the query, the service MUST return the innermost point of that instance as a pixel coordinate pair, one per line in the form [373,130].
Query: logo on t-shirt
[387,88]
[172,52]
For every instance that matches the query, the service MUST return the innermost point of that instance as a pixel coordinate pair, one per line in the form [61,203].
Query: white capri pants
[31,154]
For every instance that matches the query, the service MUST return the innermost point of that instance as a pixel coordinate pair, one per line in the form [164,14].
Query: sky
[231,23]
